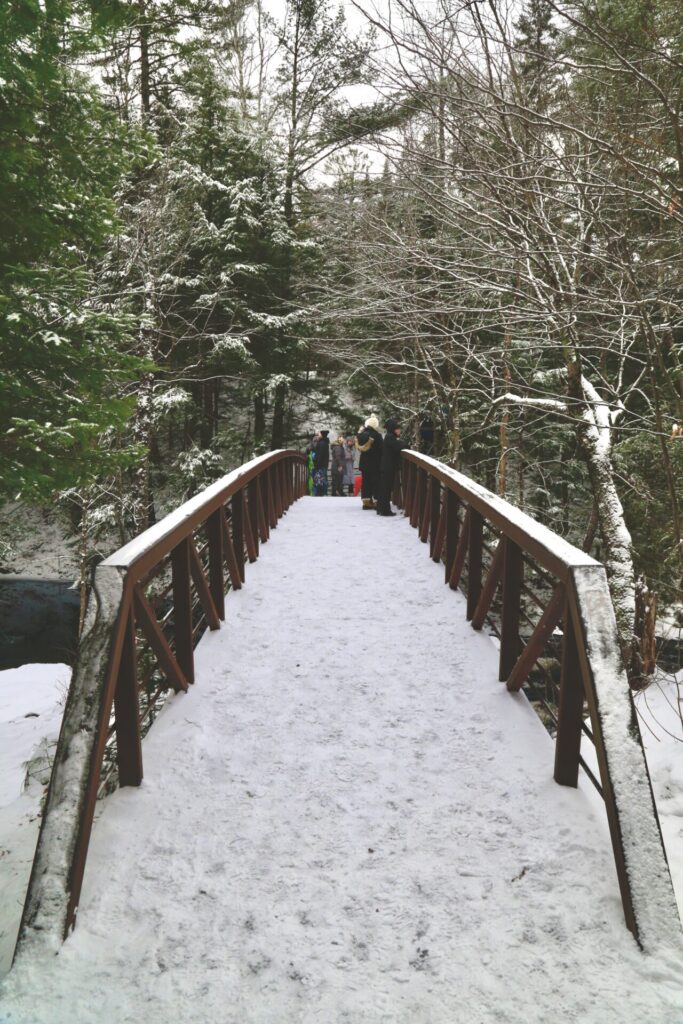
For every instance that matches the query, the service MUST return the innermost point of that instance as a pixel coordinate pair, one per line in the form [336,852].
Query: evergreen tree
[62,353]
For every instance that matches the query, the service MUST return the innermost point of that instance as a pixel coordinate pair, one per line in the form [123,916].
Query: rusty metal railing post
[269,484]
[237,524]
[252,513]
[419,498]
[261,518]
[407,469]
[275,475]
[570,710]
[264,496]
[434,513]
[182,609]
[513,570]
[474,561]
[452,530]
[281,496]
[397,490]
[127,711]
[214,529]
[425,508]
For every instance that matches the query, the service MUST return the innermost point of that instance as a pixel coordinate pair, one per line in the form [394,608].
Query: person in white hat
[369,445]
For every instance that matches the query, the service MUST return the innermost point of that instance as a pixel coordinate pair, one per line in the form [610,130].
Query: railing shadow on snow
[151,601]
[529,584]
[154,597]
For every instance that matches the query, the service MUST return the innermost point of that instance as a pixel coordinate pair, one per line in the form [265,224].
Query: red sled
[357,484]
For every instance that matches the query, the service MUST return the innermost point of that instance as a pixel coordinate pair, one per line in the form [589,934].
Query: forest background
[225,223]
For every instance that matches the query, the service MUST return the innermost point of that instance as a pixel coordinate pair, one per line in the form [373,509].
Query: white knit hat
[372,421]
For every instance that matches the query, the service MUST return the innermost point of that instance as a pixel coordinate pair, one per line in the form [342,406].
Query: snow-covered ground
[659,713]
[31,706]
[348,819]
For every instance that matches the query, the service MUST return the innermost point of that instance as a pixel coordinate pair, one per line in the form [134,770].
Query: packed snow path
[347,819]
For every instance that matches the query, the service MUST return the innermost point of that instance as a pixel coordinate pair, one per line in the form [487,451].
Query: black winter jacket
[391,454]
[370,448]
[322,453]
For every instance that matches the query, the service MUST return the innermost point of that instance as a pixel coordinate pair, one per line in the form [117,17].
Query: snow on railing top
[655,919]
[549,548]
[184,514]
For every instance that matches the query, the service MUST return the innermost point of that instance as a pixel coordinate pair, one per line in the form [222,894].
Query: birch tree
[539,242]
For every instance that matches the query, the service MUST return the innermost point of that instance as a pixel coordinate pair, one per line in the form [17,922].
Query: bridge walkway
[347,818]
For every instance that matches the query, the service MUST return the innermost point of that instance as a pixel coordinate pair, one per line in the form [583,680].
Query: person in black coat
[338,467]
[322,459]
[391,458]
[369,444]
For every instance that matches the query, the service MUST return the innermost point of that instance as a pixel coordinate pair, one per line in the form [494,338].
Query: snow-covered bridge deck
[347,818]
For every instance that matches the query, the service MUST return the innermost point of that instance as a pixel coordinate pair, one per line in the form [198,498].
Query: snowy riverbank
[31,705]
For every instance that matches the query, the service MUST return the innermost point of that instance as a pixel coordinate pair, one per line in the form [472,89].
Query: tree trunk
[594,433]
[644,660]
[259,419]
[143,508]
[294,125]
[144,514]
[206,425]
[277,439]
[618,554]
[143,38]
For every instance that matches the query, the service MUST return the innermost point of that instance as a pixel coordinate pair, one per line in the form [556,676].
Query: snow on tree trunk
[45,912]
[596,421]
[595,438]
[143,423]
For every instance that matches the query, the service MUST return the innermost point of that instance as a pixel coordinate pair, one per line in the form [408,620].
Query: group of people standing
[379,463]
[343,469]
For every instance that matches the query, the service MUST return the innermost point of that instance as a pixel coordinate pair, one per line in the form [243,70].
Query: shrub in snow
[197,468]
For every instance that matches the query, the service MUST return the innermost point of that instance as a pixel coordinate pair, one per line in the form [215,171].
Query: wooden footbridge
[547,601]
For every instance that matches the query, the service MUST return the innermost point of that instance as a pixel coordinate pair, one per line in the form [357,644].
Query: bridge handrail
[156,542]
[237,514]
[551,551]
[124,622]
[591,669]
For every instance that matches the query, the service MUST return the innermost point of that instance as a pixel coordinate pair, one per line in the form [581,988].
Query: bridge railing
[531,585]
[150,603]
